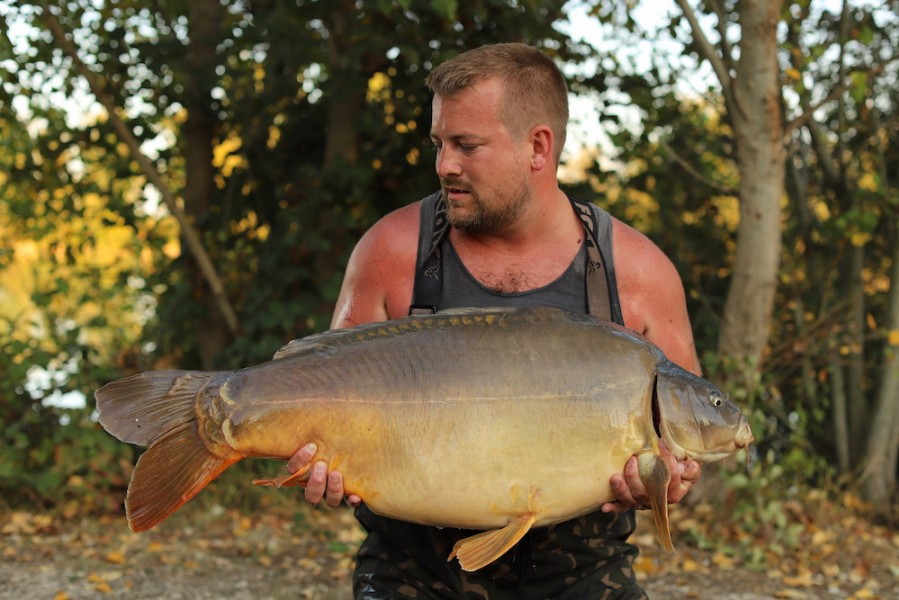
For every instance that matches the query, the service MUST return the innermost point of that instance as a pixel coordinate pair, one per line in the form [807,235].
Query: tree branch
[809,110]
[837,91]
[707,50]
[191,237]
[726,49]
[686,166]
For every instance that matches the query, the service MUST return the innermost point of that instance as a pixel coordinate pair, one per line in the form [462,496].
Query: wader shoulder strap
[602,287]
[428,277]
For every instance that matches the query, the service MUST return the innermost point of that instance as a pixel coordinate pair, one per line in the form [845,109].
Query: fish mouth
[741,440]
[744,435]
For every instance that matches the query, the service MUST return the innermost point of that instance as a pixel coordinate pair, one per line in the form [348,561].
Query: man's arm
[653,304]
[377,286]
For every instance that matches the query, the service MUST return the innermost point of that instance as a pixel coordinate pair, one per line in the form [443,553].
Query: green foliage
[236,104]
[765,483]
[247,140]
[826,341]
[52,456]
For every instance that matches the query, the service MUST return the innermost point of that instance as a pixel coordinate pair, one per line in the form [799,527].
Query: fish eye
[716,399]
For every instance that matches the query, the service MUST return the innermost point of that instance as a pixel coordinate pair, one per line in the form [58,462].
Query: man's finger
[317,484]
[334,495]
[692,471]
[301,458]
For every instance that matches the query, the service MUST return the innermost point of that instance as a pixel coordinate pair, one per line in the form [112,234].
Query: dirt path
[215,553]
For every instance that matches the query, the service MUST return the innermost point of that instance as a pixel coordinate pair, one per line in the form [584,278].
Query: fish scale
[491,419]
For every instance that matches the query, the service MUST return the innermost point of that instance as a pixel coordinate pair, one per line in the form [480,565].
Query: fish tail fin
[171,472]
[146,407]
[157,409]
[655,476]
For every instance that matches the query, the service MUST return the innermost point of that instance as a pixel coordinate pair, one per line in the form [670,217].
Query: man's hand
[321,483]
[631,493]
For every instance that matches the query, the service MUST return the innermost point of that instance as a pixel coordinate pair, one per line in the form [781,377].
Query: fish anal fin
[655,476]
[480,550]
[293,479]
[171,472]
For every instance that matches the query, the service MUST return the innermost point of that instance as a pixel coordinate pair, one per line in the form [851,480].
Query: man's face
[483,169]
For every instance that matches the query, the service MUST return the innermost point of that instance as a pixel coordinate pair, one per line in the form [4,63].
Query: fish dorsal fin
[473,311]
[327,340]
[655,476]
[311,343]
[480,550]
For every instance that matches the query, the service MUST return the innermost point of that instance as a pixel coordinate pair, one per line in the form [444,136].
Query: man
[501,232]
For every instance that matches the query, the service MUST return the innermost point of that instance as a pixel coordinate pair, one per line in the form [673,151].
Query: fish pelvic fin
[300,478]
[168,474]
[478,551]
[655,476]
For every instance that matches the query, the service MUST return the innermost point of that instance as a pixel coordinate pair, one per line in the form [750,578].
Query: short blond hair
[535,92]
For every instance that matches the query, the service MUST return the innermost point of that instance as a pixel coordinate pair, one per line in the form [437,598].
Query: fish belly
[471,463]
[478,467]
[458,425]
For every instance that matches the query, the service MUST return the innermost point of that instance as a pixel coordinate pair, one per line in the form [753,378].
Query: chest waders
[586,557]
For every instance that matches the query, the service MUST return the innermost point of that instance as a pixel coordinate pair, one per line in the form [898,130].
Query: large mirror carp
[493,419]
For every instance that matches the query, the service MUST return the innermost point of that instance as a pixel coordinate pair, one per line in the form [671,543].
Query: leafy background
[276,133]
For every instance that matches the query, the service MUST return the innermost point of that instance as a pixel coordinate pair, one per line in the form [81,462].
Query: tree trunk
[839,410]
[856,398]
[878,476]
[754,111]
[347,97]
[199,135]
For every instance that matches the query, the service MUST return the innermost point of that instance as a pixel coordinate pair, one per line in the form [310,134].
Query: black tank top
[461,289]
[588,284]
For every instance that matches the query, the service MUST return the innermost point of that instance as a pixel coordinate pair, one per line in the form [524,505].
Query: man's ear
[542,144]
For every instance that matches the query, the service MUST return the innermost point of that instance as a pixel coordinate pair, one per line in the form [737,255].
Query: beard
[484,214]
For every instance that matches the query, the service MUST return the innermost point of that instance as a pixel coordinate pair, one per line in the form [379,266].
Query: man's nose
[448,164]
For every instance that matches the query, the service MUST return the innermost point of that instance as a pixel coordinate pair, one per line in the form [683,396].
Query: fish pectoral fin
[482,549]
[299,478]
[655,476]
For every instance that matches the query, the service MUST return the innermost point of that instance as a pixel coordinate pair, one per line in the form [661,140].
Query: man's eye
[468,148]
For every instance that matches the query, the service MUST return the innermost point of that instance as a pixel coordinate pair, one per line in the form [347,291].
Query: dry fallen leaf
[25,523]
[791,595]
[690,566]
[722,560]
[804,579]
[100,584]
[645,565]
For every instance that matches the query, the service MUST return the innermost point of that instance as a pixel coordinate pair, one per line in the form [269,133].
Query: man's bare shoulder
[395,234]
[652,295]
[379,278]
[636,255]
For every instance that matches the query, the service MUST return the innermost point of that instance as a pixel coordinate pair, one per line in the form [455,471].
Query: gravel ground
[308,555]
